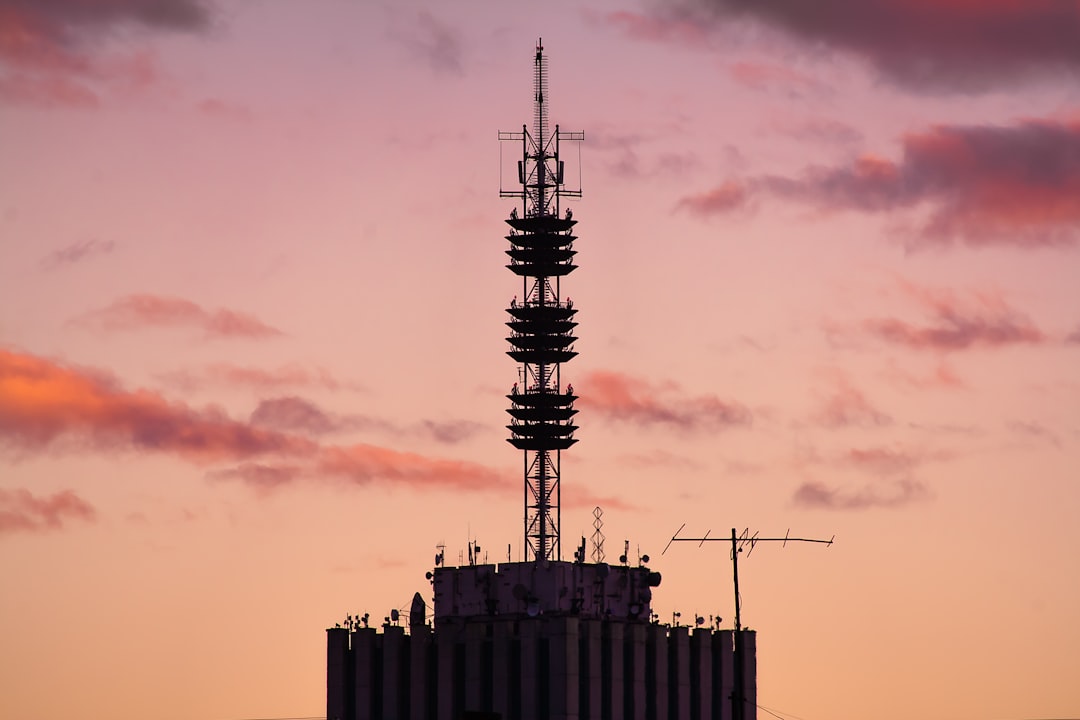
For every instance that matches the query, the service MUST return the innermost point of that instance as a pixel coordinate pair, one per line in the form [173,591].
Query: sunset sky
[252,351]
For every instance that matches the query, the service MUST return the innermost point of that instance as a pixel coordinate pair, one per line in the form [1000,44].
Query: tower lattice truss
[542,321]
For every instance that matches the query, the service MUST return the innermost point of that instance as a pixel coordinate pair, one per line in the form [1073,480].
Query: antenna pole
[738,700]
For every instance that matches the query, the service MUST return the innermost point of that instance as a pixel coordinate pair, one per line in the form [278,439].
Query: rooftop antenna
[738,543]
[541,253]
[598,535]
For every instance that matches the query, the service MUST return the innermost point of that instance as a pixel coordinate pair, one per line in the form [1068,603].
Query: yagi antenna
[738,542]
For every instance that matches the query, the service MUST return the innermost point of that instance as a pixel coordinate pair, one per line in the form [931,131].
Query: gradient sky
[252,295]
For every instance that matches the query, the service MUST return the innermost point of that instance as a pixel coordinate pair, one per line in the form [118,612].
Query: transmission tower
[542,322]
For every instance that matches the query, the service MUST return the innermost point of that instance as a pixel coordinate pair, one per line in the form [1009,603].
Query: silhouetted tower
[542,322]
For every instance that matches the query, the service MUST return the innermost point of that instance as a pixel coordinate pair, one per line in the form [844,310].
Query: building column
[590,670]
[563,668]
[338,700]
[634,653]
[656,673]
[679,673]
[701,674]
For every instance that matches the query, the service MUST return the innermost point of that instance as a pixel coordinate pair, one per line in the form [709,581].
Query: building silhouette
[544,638]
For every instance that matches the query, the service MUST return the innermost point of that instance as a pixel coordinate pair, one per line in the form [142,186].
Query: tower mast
[541,254]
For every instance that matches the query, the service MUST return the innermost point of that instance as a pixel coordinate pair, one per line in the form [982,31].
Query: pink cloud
[139,311]
[624,398]
[984,321]
[216,108]
[21,511]
[935,45]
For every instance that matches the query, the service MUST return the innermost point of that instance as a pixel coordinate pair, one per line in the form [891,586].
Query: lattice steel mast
[541,253]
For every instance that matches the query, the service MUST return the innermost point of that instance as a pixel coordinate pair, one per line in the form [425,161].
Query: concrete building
[543,639]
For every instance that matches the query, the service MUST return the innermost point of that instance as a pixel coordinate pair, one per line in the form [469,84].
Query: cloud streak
[76,252]
[142,311]
[21,511]
[623,398]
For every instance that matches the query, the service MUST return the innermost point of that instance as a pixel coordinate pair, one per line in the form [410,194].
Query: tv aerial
[738,544]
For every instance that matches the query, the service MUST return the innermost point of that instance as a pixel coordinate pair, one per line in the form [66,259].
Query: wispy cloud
[431,39]
[891,494]
[155,311]
[624,398]
[943,46]
[76,252]
[55,53]
[845,405]
[982,320]
[22,511]
[259,379]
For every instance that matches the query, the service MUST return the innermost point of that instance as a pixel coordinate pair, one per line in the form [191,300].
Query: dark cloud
[141,311]
[890,494]
[1015,185]
[76,252]
[940,45]
[624,398]
[1036,430]
[1074,337]
[52,51]
[293,414]
[21,511]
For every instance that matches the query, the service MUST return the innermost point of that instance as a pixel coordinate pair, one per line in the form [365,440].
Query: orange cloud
[21,511]
[43,402]
[625,398]
[137,311]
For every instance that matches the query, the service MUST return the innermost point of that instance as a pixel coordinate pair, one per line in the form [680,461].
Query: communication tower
[542,322]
